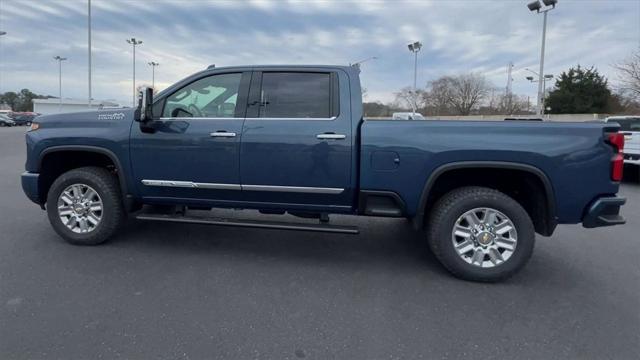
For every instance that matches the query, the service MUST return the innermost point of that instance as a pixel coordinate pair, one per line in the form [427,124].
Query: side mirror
[146,105]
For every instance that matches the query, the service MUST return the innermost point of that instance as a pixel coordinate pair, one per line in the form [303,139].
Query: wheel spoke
[465,246]
[66,199]
[77,192]
[490,217]
[462,231]
[506,243]
[93,219]
[478,257]
[96,206]
[65,210]
[72,222]
[89,195]
[83,225]
[472,218]
[503,227]
[495,256]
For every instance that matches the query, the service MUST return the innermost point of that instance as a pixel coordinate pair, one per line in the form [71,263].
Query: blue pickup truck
[292,139]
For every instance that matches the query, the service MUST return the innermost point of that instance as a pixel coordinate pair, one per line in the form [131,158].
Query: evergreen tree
[580,91]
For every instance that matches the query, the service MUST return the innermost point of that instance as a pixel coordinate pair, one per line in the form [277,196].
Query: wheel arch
[87,150]
[550,220]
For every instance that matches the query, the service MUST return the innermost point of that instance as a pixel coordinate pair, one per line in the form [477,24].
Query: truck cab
[287,134]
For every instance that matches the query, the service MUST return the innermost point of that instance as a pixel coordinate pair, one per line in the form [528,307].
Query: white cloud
[187,36]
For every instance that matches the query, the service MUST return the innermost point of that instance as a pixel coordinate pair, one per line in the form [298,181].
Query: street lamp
[415,48]
[134,43]
[539,8]
[3,33]
[153,65]
[357,63]
[59,60]
[544,85]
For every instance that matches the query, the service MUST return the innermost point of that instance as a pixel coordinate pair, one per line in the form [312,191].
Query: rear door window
[298,95]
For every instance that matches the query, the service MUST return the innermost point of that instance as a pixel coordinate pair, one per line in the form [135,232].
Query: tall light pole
[59,60]
[89,46]
[415,48]
[134,43]
[538,8]
[153,65]
[2,33]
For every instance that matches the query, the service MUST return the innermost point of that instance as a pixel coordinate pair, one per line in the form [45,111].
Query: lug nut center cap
[485,238]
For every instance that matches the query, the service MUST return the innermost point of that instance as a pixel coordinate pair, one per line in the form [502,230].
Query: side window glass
[213,96]
[295,95]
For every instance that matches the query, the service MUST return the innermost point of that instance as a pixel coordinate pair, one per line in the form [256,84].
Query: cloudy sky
[186,36]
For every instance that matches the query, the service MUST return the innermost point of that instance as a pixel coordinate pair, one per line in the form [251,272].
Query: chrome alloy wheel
[484,237]
[80,208]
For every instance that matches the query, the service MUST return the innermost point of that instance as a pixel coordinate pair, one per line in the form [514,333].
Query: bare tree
[412,100]
[460,93]
[467,91]
[509,104]
[629,72]
[365,93]
[438,96]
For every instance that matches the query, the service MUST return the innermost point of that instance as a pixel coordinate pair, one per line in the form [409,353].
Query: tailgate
[631,142]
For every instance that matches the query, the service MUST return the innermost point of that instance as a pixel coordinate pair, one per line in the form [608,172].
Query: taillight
[617,161]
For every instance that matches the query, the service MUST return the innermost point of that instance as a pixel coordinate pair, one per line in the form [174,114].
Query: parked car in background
[24,119]
[6,121]
[407,116]
[630,127]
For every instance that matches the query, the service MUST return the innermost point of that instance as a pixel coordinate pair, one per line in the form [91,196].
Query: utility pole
[59,60]
[508,92]
[509,78]
[134,43]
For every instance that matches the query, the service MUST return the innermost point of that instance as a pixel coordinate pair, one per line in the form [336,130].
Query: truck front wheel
[84,206]
[480,234]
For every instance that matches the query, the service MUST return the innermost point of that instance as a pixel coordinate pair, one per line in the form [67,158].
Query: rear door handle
[331,136]
[223,134]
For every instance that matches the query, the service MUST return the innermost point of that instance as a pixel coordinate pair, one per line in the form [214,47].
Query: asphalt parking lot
[163,290]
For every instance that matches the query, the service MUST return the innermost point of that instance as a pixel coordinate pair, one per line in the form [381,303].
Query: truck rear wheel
[84,206]
[480,234]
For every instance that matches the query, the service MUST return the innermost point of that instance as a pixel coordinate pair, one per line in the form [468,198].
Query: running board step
[250,223]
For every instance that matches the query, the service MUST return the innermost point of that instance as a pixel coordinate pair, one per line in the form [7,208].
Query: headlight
[34,126]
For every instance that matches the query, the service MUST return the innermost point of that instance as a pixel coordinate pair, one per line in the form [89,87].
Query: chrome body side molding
[190,184]
[293,189]
[273,188]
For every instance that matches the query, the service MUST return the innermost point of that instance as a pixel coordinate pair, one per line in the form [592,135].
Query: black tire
[107,187]
[454,204]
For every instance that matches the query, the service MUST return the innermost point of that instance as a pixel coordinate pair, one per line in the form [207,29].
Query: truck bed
[400,156]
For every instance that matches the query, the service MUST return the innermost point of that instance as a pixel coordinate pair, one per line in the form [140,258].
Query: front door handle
[331,136]
[223,134]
